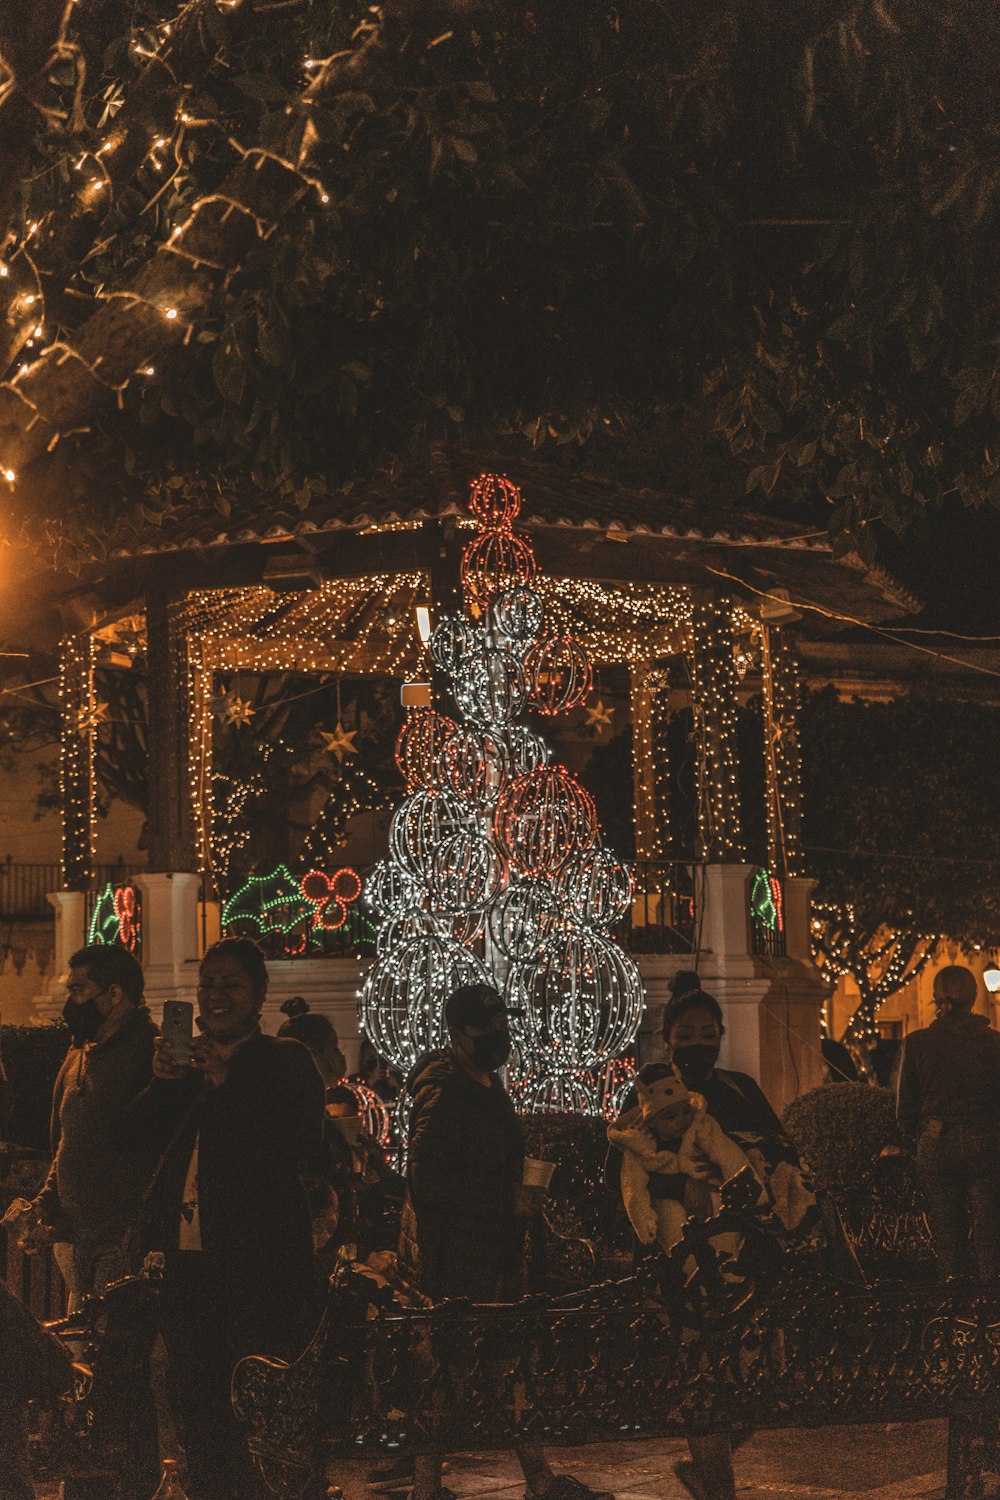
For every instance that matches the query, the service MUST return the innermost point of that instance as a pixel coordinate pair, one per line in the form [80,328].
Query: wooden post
[77,730]
[714,703]
[781,753]
[172,844]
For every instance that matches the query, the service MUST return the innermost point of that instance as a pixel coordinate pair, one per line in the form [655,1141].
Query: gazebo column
[76,762]
[650,708]
[715,709]
[171,885]
[783,781]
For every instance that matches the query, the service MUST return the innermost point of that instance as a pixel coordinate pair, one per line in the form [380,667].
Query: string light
[715,726]
[76,759]
[781,751]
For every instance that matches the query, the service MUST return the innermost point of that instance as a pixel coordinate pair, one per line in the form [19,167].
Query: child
[674,1157]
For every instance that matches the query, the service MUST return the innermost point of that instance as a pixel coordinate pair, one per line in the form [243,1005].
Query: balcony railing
[663,918]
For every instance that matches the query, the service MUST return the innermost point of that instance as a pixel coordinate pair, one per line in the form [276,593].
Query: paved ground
[899,1462]
[835,1463]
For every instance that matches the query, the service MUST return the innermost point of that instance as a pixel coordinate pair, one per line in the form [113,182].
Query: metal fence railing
[24,888]
[663,917]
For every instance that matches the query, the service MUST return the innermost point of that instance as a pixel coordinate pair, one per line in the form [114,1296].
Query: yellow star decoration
[340,743]
[238,710]
[599,717]
[92,718]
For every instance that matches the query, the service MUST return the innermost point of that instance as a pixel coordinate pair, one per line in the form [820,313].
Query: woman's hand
[207,1058]
[163,1063]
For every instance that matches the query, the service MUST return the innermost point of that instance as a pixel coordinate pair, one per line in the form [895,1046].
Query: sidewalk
[898,1462]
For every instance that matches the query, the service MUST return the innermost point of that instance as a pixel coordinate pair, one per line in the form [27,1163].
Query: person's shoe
[565,1487]
[687,1472]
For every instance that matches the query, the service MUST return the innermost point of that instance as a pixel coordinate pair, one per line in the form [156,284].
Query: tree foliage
[900,806]
[745,244]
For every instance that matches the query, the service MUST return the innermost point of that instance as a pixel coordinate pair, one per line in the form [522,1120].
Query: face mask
[490,1052]
[84,1020]
[695,1062]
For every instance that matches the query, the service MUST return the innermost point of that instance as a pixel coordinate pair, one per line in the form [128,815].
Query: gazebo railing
[24,889]
[663,917]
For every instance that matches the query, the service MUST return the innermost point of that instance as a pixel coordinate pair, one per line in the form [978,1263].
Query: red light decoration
[330,895]
[543,820]
[559,674]
[493,562]
[495,501]
[418,744]
[127,912]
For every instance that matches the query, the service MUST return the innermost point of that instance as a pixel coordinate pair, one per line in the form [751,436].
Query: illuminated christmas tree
[497,872]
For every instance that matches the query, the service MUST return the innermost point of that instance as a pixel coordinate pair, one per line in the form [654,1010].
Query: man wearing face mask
[461,1235]
[91,1194]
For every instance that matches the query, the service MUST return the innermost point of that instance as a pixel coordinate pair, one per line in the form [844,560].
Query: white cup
[537,1173]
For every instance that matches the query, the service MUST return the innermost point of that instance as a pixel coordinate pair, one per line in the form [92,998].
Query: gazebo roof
[581,526]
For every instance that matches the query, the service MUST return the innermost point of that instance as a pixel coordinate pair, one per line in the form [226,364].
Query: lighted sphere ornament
[401,1008]
[472,763]
[493,562]
[559,1094]
[465,874]
[582,1000]
[526,750]
[419,743]
[372,1110]
[522,918]
[599,888]
[494,500]
[418,921]
[391,890]
[455,642]
[421,823]
[558,673]
[492,690]
[543,820]
[517,615]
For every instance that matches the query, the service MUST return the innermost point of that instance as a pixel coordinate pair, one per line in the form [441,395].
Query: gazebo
[701,609]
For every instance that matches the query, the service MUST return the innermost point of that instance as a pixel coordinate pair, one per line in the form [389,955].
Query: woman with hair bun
[318,1034]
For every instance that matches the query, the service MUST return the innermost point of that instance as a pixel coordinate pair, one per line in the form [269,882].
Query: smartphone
[177,1030]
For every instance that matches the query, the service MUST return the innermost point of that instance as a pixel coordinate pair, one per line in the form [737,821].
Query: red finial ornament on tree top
[497,559]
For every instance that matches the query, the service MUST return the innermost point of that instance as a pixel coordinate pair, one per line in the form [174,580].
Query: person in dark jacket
[461,1233]
[947,1101]
[228,1206]
[91,1194]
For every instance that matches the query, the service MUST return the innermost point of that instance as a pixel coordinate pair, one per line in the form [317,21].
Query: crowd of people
[248,1165]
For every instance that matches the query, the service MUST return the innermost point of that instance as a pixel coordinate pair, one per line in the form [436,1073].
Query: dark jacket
[950,1072]
[466,1155]
[94,1186]
[256,1134]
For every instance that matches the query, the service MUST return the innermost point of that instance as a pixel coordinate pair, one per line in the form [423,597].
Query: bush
[841,1130]
[32,1056]
[580,1203]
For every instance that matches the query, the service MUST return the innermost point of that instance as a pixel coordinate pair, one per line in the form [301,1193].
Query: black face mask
[84,1020]
[490,1052]
[695,1062]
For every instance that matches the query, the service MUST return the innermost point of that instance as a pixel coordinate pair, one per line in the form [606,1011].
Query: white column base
[70,909]
[170,935]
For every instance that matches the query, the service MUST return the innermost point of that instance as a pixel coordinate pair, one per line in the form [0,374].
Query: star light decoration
[497,871]
[235,710]
[340,743]
[599,717]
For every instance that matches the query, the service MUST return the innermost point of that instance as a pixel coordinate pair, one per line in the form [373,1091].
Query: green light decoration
[301,910]
[115,918]
[104,921]
[766,901]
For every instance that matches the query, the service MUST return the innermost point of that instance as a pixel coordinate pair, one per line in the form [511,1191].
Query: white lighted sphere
[491,691]
[421,823]
[522,918]
[466,872]
[517,614]
[454,641]
[582,1001]
[599,888]
[390,890]
[401,1008]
